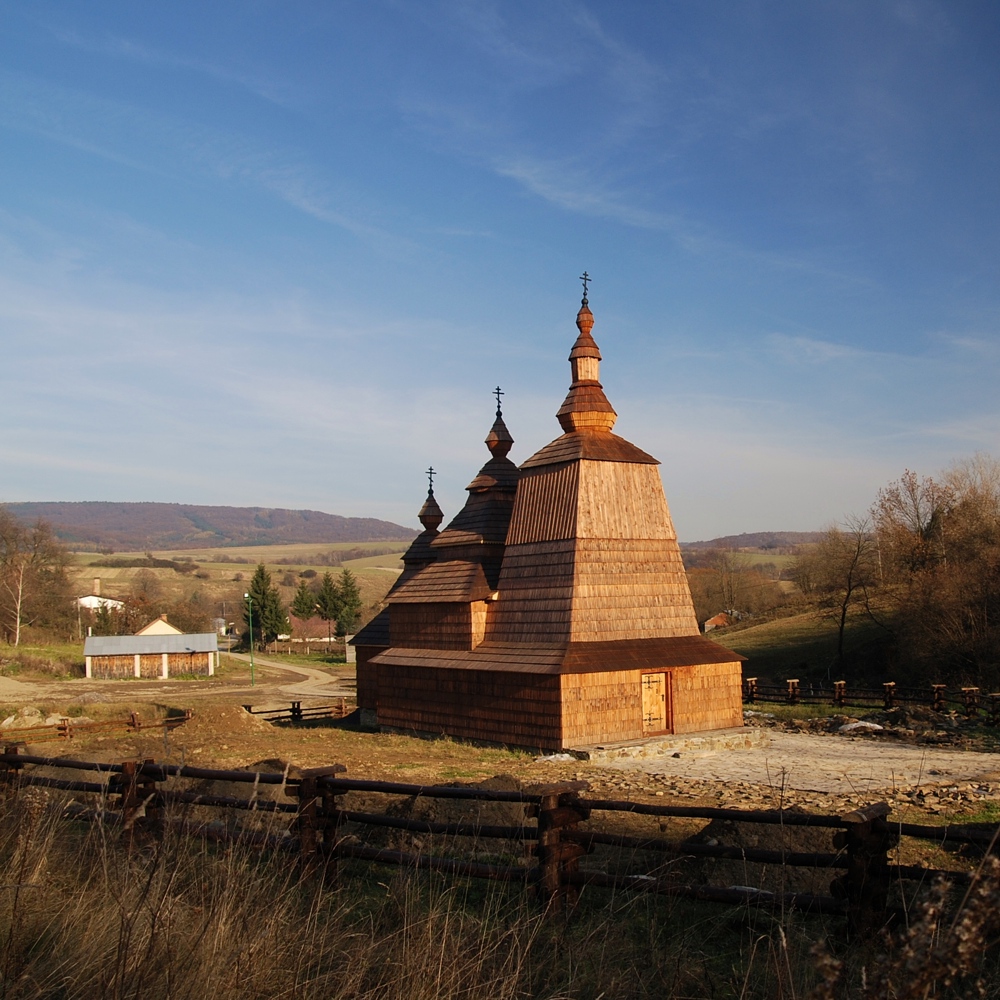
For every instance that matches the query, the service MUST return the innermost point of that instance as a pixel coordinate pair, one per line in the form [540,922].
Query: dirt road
[827,764]
[335,683]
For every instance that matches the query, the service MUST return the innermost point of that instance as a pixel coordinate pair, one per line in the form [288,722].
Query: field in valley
[221,575]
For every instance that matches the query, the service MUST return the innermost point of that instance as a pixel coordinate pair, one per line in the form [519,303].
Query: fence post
[306,822]
[559,809]
[889,695]
[970,701]
[937,697]
[994,709]
[839,693]
[793,691]
[316,820]
[296,711]
[7,767]
[865,884]
[139,801]
[750,690]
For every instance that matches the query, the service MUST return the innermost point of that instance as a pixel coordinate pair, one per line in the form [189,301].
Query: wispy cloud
[277,92]
[164,145]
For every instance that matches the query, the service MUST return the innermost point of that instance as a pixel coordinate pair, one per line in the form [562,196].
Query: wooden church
[553,611]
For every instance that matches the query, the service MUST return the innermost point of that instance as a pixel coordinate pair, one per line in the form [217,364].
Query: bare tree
[843,571]
[33,582]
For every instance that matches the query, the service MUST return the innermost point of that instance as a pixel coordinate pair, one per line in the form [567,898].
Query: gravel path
[827,764]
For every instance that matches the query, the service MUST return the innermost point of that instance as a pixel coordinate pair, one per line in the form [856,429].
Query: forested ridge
[106,526]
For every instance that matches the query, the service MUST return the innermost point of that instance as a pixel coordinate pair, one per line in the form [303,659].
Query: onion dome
[586,407]
[430,515]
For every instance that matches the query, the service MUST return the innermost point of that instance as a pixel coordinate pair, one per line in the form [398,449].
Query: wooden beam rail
[863,840]
[780,817]
[432,791]
[477,830]
[969,700]
[296,713]
[67,729]
[806,902]
[683,849]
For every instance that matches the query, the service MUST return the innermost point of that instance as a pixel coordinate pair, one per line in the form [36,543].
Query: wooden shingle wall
[622,500]
[536,594]
[708,696]
[431,626]
[471,704]
[367,677]
[545,509]
[601,708]
[630,589]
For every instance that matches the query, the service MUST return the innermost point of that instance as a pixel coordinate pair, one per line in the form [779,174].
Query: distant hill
[156,526]
[764,540]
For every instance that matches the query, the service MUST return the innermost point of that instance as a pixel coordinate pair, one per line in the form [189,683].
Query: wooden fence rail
[296,713]
[131,795]
[969,700]
[66,728]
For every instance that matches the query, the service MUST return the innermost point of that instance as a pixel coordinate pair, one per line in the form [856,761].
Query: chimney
[163,618]
[97,586]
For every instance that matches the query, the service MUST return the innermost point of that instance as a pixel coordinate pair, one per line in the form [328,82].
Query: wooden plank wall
[431,626]
[112,667]
[708,696]
[601,708]
[151,665]
[472,704]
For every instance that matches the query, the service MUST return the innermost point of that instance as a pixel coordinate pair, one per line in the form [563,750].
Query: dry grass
[81,918]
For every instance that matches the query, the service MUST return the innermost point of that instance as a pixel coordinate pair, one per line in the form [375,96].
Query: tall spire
[430,515]
[586,407]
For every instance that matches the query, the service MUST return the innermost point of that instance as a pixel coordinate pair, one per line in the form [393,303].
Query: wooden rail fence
[296,713]
[937,697]
[135,796]
[66,728]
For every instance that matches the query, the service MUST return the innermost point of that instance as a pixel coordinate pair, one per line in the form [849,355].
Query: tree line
[923,565]
[34,587]
[337,602]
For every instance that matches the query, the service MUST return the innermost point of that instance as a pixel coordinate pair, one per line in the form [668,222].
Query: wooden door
[655,703]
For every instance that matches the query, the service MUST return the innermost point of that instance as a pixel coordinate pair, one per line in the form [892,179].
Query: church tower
[554,610]
[591,554]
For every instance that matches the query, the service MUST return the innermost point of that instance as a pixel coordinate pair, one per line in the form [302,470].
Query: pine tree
[328,600]
[304,601]
[269,616]
[350,603]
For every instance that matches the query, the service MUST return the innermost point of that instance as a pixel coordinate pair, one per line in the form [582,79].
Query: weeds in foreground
[82,918]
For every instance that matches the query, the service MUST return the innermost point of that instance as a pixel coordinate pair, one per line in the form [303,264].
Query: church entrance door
[656,703]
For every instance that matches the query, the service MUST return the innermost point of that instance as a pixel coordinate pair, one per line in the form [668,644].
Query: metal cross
[498,392]
[430,479]
[586,279]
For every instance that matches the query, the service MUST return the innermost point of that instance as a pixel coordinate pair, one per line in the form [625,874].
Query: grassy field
[803,645]
[222,574]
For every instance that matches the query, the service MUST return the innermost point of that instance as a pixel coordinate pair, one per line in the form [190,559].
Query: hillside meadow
[219,576]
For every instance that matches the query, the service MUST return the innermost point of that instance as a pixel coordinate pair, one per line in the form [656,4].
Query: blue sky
[278,254]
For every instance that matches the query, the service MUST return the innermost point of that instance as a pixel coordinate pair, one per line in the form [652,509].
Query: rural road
[317,683]
[827,764]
